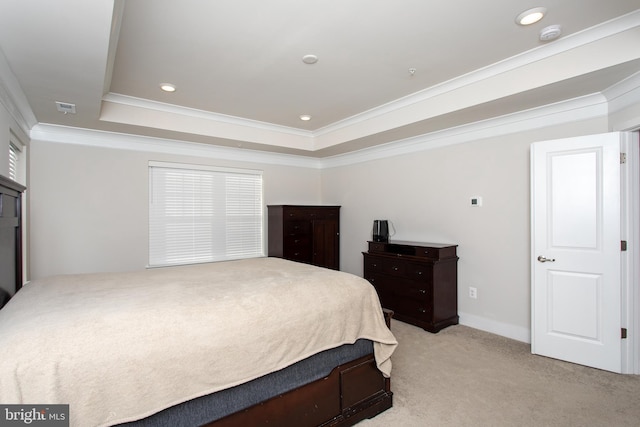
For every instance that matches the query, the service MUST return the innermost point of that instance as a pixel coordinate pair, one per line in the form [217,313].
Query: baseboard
[517,333]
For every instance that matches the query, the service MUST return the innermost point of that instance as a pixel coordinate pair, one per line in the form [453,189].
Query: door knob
[545,259]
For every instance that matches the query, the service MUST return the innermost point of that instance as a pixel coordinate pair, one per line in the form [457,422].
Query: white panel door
[576,270]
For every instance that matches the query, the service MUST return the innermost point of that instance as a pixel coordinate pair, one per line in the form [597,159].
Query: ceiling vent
[65,107]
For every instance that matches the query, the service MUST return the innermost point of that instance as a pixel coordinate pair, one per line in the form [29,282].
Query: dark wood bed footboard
[350,393]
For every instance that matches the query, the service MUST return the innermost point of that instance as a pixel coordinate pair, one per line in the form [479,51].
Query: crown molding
[540,53]
[147,104]
[16,103]
[613,99]
[565,44]
[13,98]
[582,108]
[103,139]
[621,96]
[624,93]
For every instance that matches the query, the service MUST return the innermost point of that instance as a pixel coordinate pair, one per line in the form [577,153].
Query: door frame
[630,222]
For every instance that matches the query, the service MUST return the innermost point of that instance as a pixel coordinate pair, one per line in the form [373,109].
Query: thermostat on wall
[476,201]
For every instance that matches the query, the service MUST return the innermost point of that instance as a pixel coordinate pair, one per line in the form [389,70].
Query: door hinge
[623,333]
[623,245]
[623,158]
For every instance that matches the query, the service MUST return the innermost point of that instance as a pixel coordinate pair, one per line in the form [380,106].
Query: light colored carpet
[466,377]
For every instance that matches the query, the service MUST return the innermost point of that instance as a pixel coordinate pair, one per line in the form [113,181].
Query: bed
[247,342]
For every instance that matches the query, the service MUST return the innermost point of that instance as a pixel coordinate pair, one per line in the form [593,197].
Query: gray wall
[427,197]
[89,205]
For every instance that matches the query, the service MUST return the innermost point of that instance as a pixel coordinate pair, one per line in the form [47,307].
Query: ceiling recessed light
[309,59]
[531,16]
[305,117]
[167,87]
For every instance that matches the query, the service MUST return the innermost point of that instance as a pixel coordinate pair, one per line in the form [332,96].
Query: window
[14,155]
[17,159]
[202,214]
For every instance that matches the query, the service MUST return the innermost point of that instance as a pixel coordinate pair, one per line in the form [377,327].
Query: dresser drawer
[381,264]
[435,253]
[311,213]
[426,251]
[297,228]
[420,272]
[394,267]
[376,247]
[296,243]
[295,213]
[407,306]
[372,264]
[399,267]
[301,255]
[400,286]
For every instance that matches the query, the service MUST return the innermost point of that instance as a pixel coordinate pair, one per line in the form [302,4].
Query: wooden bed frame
[352,392]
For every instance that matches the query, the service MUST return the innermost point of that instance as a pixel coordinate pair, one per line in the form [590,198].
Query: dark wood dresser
[309,234]
[418,281]
[10,235]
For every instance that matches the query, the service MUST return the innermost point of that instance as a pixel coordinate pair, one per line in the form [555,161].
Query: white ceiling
[241,81]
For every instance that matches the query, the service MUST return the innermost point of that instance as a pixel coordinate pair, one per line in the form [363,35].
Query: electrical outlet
[473,292]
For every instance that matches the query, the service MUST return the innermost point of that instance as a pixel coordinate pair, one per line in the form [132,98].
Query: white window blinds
[200,214]
[13,162]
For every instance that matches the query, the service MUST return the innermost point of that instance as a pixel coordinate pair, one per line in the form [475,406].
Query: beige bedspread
[120,346]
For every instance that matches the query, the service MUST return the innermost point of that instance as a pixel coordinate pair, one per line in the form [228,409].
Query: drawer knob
[423,291]
[395,268]
[419,273]
[422,310]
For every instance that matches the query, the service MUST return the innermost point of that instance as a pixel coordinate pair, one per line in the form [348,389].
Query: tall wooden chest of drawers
[418,281]
[309,234]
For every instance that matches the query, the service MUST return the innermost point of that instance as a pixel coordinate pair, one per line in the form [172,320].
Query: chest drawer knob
[395,268]
[422,310]
[422,291]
